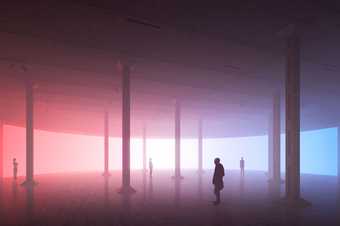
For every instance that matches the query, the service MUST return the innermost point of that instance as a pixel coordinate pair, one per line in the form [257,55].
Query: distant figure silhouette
[150,167]
[15,168]
[218,180]
[242,166]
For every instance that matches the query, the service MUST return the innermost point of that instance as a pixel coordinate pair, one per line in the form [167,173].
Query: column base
[126,190]
[177,177]
[29,183]
[295,203]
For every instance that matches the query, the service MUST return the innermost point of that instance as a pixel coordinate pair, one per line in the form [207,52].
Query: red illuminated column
[200,147]
[126,187]
[144,149]
[1,150]
[106,144]
[29,134]
[177,141]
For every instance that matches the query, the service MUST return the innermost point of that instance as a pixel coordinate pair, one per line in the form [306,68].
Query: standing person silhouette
[218,180]
[150,167]
[15,168]
[242,166]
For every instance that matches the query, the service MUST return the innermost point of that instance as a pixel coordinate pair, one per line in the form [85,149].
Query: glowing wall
[59,152]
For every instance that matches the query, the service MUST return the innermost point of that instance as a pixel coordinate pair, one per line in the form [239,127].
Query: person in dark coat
[242,166]
[15,168]
[218,180]
[150,167]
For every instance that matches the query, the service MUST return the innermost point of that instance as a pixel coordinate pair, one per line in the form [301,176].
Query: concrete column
[293,118]
[1,150]
[200,147]
[270,146]
[126,187]
[338,181]
[338,136]
[177,140]
[29,134]
[144,150]
[106,144]
[276,139]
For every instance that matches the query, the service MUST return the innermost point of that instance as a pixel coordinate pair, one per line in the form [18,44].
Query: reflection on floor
[90,199]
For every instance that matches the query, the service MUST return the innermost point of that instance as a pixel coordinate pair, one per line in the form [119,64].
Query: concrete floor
[89,199]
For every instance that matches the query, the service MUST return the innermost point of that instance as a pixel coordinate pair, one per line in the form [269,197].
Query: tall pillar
[200,147]
[177,140]
[126,187]
[106,144]
[29,134]
[270,146]
[144,149]
[293,118]
[338,162]
[276,139]
[1,150]
[338,173]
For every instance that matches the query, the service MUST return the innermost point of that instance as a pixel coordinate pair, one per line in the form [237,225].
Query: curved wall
[60,152]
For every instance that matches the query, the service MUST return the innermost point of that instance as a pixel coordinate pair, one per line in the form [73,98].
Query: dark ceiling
[224,61]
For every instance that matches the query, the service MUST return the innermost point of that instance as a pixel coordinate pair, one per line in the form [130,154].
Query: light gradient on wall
[61,152]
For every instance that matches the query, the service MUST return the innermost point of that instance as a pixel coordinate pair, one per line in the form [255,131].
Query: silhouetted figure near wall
[150,167]
[242,166]
[218,180]
[15,168]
